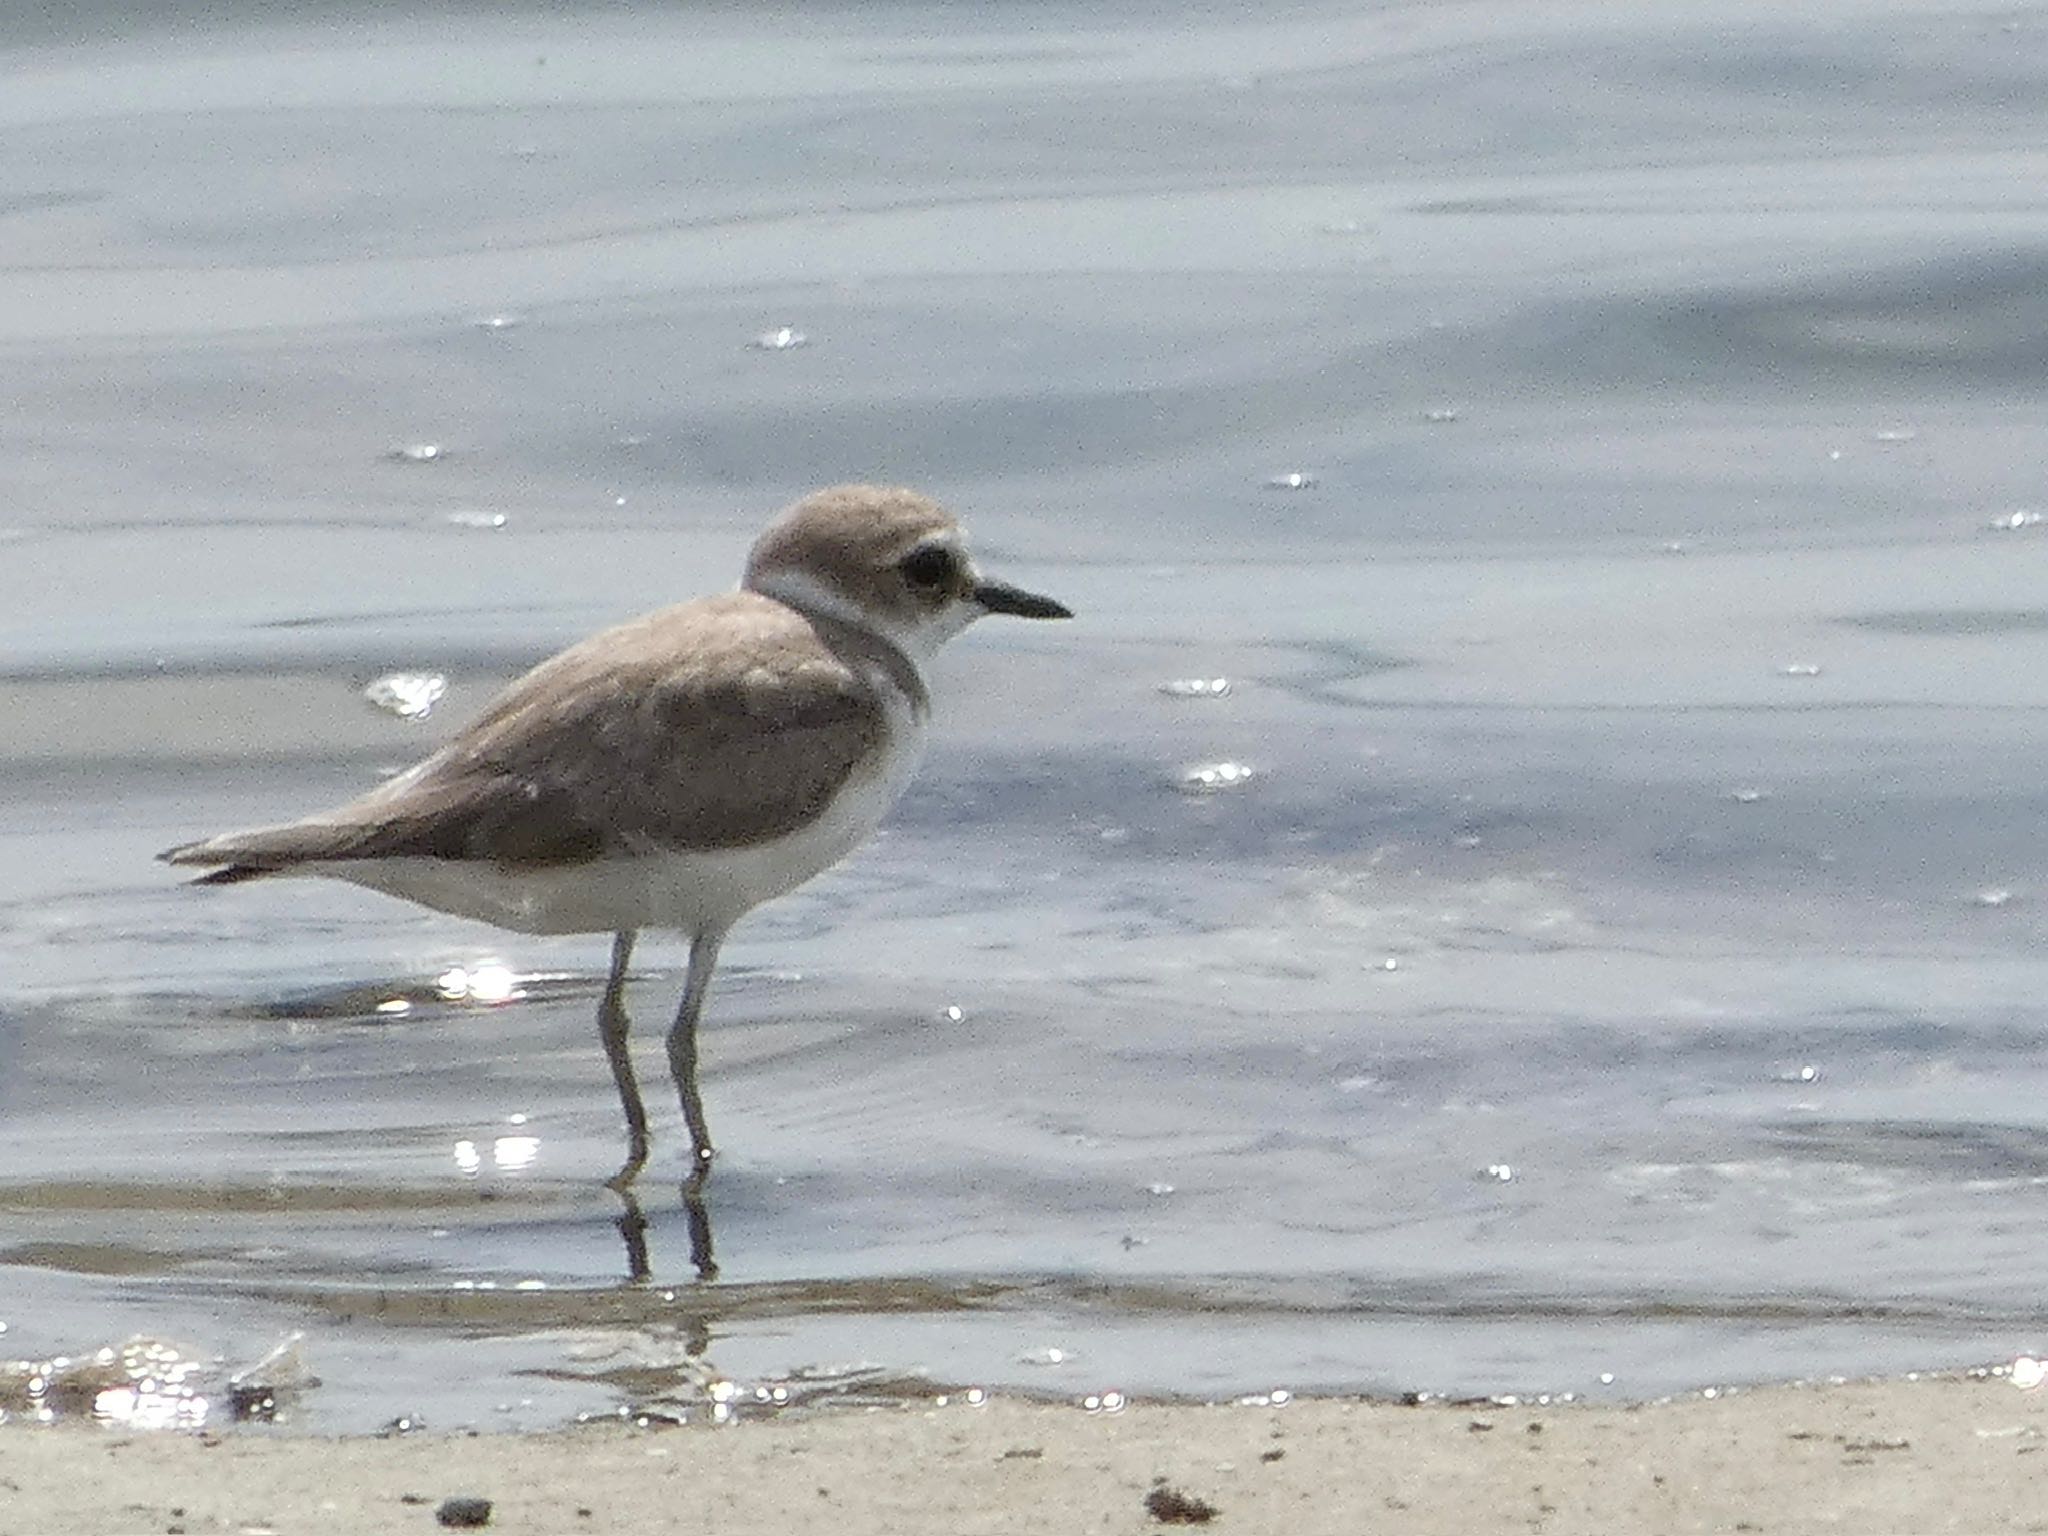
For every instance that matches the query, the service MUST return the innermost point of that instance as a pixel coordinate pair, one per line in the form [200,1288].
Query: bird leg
[612,1025]
[682,1052]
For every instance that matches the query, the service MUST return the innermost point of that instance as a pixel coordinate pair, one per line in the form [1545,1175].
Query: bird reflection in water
[516,1153]
[632,1225]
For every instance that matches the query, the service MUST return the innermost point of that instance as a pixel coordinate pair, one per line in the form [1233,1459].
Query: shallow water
[1617,973]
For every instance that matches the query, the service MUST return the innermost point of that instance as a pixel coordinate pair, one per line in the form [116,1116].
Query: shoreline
[1941,1452]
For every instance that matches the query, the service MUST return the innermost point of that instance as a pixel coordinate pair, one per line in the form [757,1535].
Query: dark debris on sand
[464,1512]
[1169,1506]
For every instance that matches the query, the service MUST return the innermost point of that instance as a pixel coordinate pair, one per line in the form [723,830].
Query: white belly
[691,892]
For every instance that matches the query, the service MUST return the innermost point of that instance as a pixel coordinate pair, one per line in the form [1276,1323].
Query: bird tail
[232,874]
[249,855]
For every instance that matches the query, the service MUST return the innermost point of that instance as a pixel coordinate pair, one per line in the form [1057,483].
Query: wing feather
[721,722]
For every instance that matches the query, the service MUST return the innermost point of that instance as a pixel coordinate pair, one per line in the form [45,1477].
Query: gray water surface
[1619,971]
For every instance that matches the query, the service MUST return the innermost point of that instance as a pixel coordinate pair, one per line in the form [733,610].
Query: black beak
[1001,597]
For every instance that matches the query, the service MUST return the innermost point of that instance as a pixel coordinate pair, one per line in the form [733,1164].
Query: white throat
[919,641]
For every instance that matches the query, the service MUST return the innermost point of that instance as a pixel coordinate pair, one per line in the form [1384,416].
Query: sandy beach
[1937,1454]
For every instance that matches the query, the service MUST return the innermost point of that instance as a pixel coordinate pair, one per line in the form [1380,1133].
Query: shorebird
[678,770]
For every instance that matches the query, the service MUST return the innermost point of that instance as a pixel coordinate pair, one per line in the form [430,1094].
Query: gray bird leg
[612,1025]
[682,1050]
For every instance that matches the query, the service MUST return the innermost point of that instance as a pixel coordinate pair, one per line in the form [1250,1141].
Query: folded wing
[718,723]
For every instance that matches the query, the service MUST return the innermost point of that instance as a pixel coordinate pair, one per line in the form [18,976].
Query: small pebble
[464,1511]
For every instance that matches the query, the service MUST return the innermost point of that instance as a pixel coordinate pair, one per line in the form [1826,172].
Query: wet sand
[1948,1454]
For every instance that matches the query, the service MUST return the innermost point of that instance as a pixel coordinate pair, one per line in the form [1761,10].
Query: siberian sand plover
[678,770]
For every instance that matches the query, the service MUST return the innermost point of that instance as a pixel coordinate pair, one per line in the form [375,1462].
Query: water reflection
[408,695]
[509,1154]
[489,982]
[149,1383]
[632,1225]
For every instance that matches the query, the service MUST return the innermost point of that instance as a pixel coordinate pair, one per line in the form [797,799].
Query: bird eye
[929,565]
